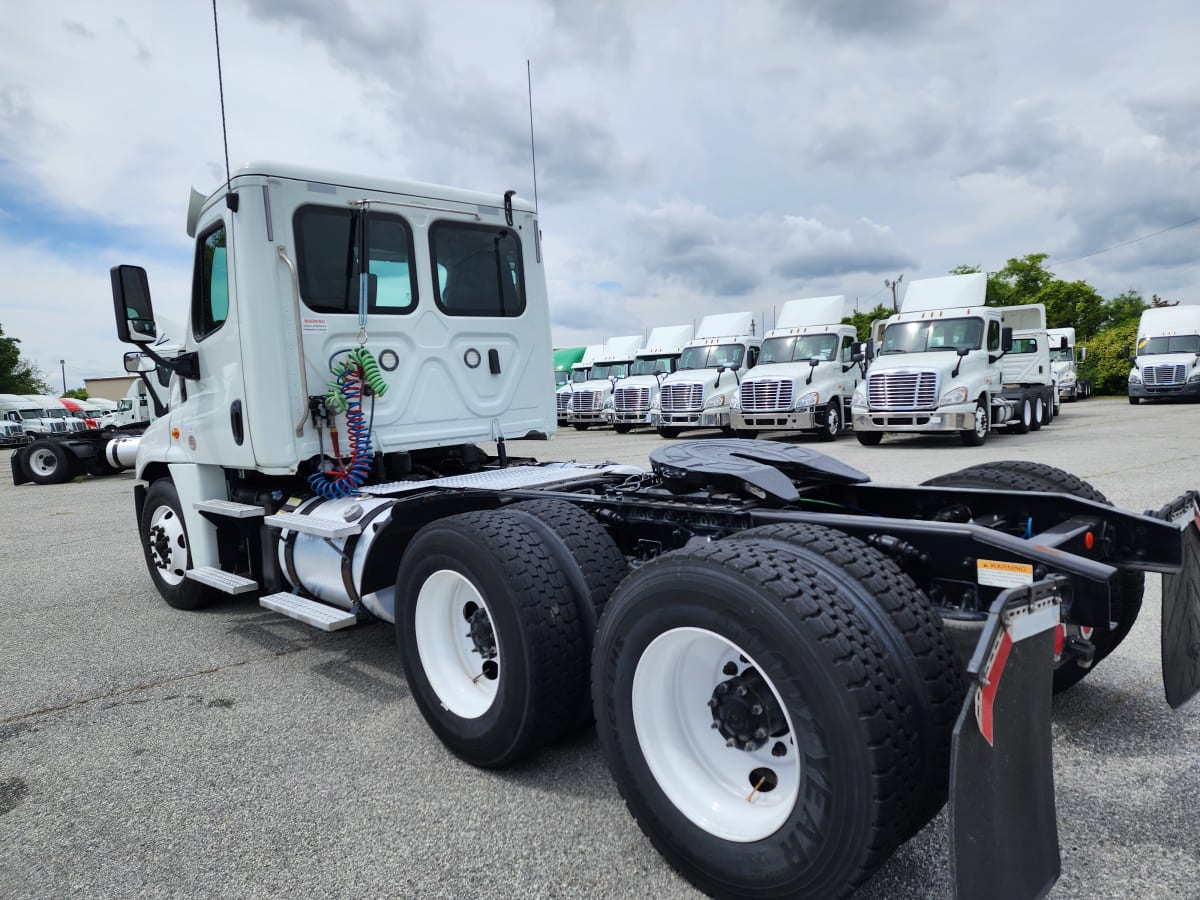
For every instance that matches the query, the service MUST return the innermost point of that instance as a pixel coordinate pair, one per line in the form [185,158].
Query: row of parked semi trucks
[945,362]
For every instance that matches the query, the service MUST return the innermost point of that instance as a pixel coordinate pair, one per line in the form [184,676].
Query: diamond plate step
[318,525]
[230,509]
[222,581]
[319,615]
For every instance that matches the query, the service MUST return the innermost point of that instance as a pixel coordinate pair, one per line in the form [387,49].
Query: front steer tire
[490,637]
[743,615]
[164,538]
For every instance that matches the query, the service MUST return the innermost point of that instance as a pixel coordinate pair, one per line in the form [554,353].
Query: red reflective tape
[991,684]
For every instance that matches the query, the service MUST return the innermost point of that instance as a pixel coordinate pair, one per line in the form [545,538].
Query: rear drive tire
[1129,586]
[752,722]
[1024,420]
[165,546]
[489,636]
[1038,419]
[49,462]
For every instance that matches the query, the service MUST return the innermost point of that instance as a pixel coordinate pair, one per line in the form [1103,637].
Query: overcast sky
[692,157]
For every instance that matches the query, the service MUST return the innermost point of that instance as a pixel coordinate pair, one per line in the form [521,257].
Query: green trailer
[564,358]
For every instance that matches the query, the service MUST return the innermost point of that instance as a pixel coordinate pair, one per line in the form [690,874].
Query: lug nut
[741,690]
[756,709]
[712,702]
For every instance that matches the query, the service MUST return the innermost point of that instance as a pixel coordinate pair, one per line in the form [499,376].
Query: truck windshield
[1063,354]
[942,334]
[32,414]
[579,376]
[712,355]
[653,365]
[1175,343]
[561,378]
[609,370]
[798,347]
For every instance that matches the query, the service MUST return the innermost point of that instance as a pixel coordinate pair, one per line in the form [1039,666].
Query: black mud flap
[19,476]
[1181,609]
[1003,824]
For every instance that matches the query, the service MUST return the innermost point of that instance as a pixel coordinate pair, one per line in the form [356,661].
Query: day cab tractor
[791,667]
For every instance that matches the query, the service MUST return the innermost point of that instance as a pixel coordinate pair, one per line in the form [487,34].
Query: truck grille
[767,395]
[588,401]
[632,399]
[561,401]
[682,397]
[56,427]
[1161,376]
[902,390]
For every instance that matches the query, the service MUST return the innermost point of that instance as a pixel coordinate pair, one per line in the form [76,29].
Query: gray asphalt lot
[235,753]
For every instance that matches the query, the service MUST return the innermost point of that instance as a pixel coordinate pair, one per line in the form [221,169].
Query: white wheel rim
[43,462]
[711,783]
[1026,414]
[464,681]
[833,419]
[981,421]
[168,545]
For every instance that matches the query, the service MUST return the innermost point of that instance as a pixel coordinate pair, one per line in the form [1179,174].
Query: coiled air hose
[345,396]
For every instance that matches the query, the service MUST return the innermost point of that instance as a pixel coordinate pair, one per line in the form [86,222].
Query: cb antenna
[231,199]
[532,150]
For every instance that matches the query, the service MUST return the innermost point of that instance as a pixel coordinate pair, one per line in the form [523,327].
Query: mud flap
[1003,823]
[1181,612]
[18,471]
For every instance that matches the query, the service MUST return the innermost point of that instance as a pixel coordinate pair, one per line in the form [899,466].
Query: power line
[1144,237]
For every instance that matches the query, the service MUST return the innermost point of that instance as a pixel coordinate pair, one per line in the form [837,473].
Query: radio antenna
[231,199]
[532,150]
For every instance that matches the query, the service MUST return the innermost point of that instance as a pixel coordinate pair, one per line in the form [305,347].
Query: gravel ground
[235,753]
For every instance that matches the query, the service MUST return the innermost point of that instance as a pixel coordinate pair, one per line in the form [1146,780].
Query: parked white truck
[700,391]
[1026,370]
[636,394]
[591,402]
[1167,358]
[580,372]
[774,690]
[1066,358]
[31,414]
[937,367]
[805,375]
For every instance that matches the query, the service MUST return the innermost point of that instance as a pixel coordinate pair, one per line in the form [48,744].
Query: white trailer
[805,375]
[635,395]
[1166,361]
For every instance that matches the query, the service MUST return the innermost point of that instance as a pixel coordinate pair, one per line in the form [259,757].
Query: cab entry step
[230,509]
[222,581]
[315,525]
[318,615]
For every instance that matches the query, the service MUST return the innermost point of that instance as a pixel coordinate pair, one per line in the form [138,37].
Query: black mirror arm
[185,365]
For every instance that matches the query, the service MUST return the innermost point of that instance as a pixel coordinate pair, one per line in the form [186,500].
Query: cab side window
[210,296]
[847,343]
[993,335]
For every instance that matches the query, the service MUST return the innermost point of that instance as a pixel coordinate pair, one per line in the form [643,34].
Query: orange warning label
[995,573]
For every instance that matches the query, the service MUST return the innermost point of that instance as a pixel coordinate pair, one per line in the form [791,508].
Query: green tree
[862,320]
[17,374]
[77,394]
[1106,366]
[1125,307]
[1072,304]
[1021,280]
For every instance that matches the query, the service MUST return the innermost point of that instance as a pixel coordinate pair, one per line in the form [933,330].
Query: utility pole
[63,363]
[893,285]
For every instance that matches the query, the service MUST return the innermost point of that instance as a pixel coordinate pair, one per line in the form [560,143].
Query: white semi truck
[700,392]
[937,369]
[635,395]
[1166,362]
[1066,358]
[580,372]
[756,627]
[591,401]
[805,375]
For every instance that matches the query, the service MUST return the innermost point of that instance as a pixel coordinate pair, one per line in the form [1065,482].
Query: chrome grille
[682,397]
[902,390]
[588,401]
[561,401]
[631,399]
[56,426]
[767,395]
[1160,376]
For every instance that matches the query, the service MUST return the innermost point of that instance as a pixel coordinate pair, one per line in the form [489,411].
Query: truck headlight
[654,404]
[1195,376]
[714,401]
[859,397]
[1134,377]
[808,401]
[958,395]
[608,404]
[735,402]
[1068,379]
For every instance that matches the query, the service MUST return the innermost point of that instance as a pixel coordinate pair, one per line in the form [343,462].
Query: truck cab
[701,390]
[580,372]
[936,370]
[1166,362]
[1065,359]
[636,394]
[805,374]
[31,414]
[592,401]
[1026,370]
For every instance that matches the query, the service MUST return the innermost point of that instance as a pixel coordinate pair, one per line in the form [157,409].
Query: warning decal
[994,573]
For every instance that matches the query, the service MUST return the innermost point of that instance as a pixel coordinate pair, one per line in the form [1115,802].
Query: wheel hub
[482,635]
[160,546]
[745,712]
